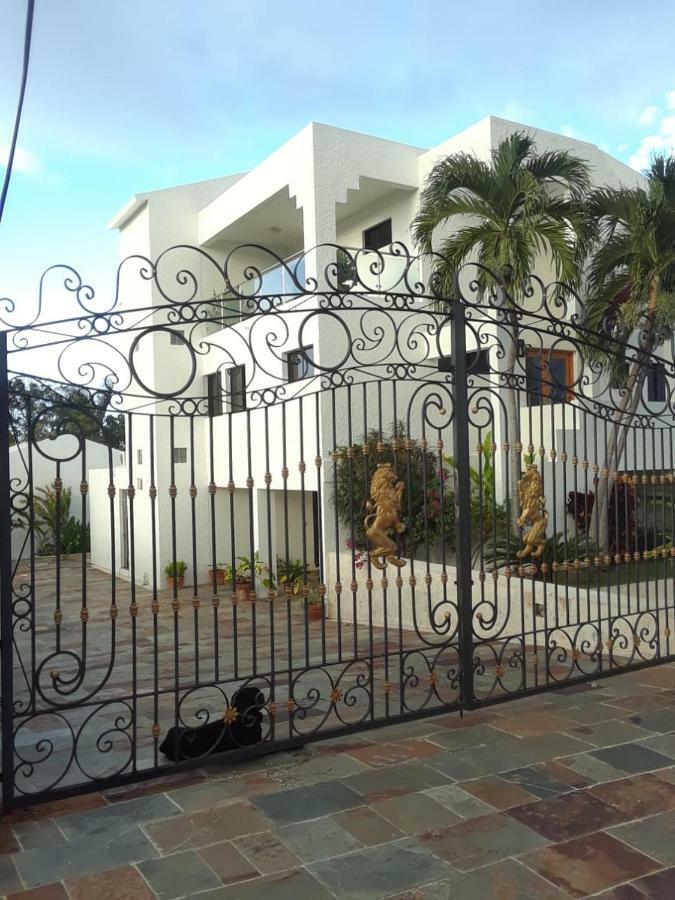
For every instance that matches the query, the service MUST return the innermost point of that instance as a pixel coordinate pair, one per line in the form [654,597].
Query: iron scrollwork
[80,717]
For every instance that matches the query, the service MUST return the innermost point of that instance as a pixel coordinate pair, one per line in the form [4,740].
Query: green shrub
[175,569]
[55,528]
[428,502]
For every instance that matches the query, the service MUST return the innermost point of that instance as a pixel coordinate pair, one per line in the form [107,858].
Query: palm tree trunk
[623,417]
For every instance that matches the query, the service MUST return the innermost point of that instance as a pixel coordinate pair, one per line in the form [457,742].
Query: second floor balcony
[356,271]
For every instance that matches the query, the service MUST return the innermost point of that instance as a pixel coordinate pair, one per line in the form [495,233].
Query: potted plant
[293,575]
[218,573]
[243,574]
[175,574]
[314,606]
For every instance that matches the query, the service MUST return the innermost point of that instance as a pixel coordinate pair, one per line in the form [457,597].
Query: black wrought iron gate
[235,519]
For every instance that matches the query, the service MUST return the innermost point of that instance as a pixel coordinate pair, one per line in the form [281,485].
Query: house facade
[233,474]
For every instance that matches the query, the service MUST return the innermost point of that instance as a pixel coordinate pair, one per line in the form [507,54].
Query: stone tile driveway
[568,794]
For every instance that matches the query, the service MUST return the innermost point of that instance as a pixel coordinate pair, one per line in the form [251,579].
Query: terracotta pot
[220,575]
[179,581]
[243,590]
[314,612]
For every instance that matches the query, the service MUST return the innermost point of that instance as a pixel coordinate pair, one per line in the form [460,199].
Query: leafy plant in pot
[175,574]
[217,573]
[315,610]
[292,575]
[243,575]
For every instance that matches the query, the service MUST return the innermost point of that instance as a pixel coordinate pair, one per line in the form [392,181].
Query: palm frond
[510,154]
[456,177]
[506,212]
[562,168]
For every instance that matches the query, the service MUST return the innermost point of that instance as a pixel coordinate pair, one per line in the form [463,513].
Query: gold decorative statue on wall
[532,510]
[384,507]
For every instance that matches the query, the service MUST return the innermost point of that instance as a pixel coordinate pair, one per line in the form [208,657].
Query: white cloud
[569,131]
[24,161]
[662,139]
[648,115]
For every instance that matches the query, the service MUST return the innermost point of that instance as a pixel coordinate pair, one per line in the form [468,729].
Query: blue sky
[130,96]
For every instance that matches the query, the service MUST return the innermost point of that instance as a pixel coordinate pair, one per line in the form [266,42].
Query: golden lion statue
[383,509]
[532,510]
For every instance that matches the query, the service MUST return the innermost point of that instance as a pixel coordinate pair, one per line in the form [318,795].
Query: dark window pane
[299,363]
[656,384]
[548,376]
[236,388]
[214,394]
[378,236]
[477,362]
[533,379]
[558,379]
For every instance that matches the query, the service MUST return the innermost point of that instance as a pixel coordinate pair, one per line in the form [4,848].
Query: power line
[19,108]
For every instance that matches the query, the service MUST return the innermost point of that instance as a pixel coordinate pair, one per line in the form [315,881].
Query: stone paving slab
[654,836]
[509,878]
[481,841]
[378,871]
[318,839]
[590,864]
[560,795]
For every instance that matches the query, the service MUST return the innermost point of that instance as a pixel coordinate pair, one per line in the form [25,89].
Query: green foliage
[293,575]
[486,514]
[505,214]
[347,274]
[516,207]
[49,411]
[631,275]
[314,597]
[502,552]
[55,528]
[175,569]
[244,569]
[428,503]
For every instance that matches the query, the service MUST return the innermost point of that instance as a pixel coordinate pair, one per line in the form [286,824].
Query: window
[214,393]
[139,457]
[656,384]
[377,236]
[180,454]
[178,337]
[548,375]
[477,362]
[236,388]
[300,363]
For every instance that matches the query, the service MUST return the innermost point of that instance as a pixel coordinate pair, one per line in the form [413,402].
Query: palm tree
[509,213]
[631,284]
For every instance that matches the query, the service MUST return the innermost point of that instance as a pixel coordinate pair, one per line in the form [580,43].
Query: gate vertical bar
[464,582]
[7,661]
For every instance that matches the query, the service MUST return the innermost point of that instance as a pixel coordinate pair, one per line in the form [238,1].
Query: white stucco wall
[506,608]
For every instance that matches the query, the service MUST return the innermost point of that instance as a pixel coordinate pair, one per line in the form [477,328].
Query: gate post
[464,580]
[6,655]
